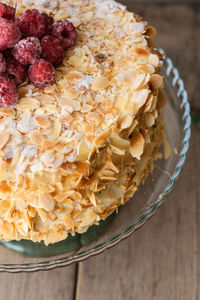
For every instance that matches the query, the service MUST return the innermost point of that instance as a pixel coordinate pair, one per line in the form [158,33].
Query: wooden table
[161,261]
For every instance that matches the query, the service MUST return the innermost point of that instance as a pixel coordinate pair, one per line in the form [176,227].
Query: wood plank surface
[45,285]
[161,261]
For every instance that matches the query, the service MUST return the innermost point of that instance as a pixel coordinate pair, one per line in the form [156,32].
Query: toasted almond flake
[125,122]
[31,211]
[4,137]
[52,216]
[49,144]
[7,112]
[82,168]
[15,158]
[121,101]
[149,120]
[100,83]
[153,60]
[175,150]
[161,99]
[83,151]
[27,104]
[138,80]
[23,91]
[68,222]
[22,228]
[137,145]
[167,147]
[37,138]
[141,51]
[43,215]
[44,99]
[150,31]
[117,151]
[70,94]
[137,101]
[118,142]
[46,202]
[156,81]
[134,124]
[56,129]
[101,139]
[43,122]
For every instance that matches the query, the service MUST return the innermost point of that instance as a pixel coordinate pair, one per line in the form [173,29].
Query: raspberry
[41,73]
[8,92]
[7,53]
[2,64]
[49,22]
[9,34]
[6,11]
[27,51]
[16,70]
[66,32]
[52,50]
[32,23]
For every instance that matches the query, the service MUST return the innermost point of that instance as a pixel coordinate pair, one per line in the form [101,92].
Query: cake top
[103,79]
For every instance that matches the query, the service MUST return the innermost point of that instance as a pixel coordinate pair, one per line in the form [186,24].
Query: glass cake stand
[28,256]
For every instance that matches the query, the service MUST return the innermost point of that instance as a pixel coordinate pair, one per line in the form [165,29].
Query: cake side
[71,153]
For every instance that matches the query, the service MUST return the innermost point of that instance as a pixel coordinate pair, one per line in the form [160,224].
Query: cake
[72,152]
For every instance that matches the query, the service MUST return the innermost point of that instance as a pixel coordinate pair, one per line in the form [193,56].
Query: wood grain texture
[48,285]
[162,259]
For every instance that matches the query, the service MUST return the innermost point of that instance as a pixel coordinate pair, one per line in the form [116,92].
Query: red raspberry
[7,12]
[16,70]
[2,64]
[9,34]
[7,53]
[52,50]
[41,73]
[27,51]
[32,23]
[8,92]
[49,22]
[66,32]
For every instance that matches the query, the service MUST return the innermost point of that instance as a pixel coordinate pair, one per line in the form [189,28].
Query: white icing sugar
[86,82]
[46,158]
[37,166]
[51,3]
[29,151]
[73,10]
[26,124]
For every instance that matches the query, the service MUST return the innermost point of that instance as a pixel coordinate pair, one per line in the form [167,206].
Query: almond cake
[72,152]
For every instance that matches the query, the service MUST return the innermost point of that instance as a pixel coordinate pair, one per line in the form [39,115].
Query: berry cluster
[30,47]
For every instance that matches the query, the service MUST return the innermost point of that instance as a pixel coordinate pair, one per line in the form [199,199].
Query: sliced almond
[137,145]
[43,122]
[7,112]
[161,99]
[100,83]
[149,120]
[156,81]
[125,121]
[83,151]
[150,31]
[37,138]
[46,201]
[4,137]
[154,60]
[118,142]
[27,104]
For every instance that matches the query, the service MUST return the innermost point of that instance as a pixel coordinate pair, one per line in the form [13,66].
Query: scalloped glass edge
[177,82]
